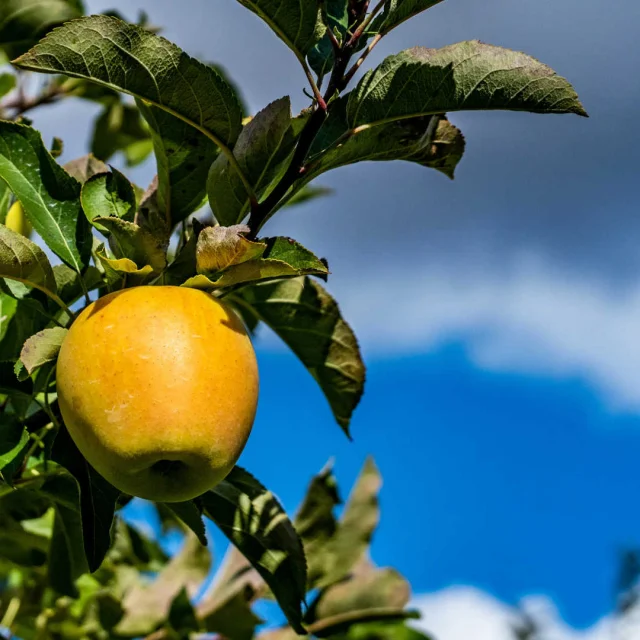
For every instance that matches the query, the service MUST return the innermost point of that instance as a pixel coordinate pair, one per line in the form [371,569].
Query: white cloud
[527,319]
[464,613]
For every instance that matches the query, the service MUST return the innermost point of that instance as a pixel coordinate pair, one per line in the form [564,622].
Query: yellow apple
[158,387]
[17,220]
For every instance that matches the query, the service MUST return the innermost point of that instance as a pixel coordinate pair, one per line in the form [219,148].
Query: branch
[363,57]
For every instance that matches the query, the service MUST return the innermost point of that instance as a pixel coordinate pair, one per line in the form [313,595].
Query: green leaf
[308,194]
[148,606]
[321,57]
[24,22]
[120,127]
[50,197]
[369,595]
[316,524]
[385,630]
[7,83]
[262,150]
[258,526]
[130,241]
[191,516]
[106,195]
[397,11]
[431,141]
[118,269]
[70,283]
[184,157]
[85,167]
[42,348]
[25,261]
[97,499]
[182,616]
[277,258]
[67,559]
[135,549]
[5,201]
[128,58]
[465,76]
[309,321]
[298,24]
[13,438]
[232,618]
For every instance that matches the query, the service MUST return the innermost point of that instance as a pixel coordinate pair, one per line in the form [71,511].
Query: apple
[17,220]
[158,387]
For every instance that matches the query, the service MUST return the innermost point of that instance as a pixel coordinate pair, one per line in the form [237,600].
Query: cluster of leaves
[139,591]
[108,233]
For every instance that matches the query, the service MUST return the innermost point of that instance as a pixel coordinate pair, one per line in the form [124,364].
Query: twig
[352,72]
[365,24]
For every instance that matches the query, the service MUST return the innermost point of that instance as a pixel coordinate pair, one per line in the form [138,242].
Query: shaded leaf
[42,348]
[148,606]
[97,499]
[191,516]
[307,194]
[25,261]
[397,11]
[254,521]
[108,194]
[182,616]
[49,196]
[232,618]
[431,141]
[464,76]
[261,151]
[309,321]
[24,22]
[321,56]
[128,240]
[120,127]
[298,24]
[386,630]
[70,283]
[128,58]
[184,156]
[7,83]
[13,438]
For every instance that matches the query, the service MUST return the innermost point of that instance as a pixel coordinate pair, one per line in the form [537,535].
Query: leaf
[49,195]
[119,269]
[261,151]
[42,348]
[385,630]
[465,76]
[281,257]
[5,201]
[85,167]
[97,499]
[307,194]
[147,607]
[70,283]
[67,559]
[182,616]
[191,516]
[219,248]
[233,618]
[7,83]
[133,548]
[316,524]
[307,318]
[131,59]
[130,241]
[184,157]
[370,595]
[25,261]
[258,526]
[321,57]
[120,127]
[397,11]
[24,22]
[13,438]
[108,194]
[298,24]
[431,141]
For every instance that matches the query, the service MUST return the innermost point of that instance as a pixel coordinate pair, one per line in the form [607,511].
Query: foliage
[70,566]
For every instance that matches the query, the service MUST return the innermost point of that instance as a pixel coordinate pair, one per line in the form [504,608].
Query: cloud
[461,613]
[527,319]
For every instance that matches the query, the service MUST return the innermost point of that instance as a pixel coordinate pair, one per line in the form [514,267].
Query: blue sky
[498,313]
